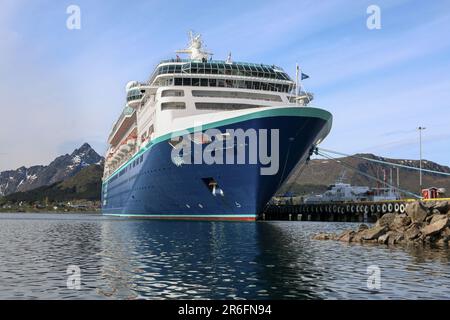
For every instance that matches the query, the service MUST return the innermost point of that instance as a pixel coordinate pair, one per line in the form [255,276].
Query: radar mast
[196,48]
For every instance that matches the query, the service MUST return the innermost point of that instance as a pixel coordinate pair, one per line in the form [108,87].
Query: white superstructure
[184,93]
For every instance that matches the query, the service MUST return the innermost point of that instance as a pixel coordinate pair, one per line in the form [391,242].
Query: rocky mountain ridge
[63,167]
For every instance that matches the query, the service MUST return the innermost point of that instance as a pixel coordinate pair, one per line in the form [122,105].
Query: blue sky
[60,87]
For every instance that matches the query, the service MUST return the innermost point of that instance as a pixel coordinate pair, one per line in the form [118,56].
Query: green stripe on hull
[309,112]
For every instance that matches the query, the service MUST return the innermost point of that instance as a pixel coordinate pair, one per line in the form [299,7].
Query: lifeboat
[131,142]
[124,149]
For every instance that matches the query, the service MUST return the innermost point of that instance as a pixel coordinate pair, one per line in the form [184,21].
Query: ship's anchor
[215,189]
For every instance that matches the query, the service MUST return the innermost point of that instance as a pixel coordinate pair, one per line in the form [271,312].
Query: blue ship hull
[151,185]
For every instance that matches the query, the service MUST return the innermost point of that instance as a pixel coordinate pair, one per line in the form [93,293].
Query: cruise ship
[253,120]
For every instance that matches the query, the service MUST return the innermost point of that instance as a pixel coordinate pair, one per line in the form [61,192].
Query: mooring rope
[367,175]
[385,162]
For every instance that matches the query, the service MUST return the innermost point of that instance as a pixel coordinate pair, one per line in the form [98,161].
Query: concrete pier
[339,212]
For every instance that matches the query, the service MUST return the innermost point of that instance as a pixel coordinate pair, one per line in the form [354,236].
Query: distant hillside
[318,174]
[63,167]
[85,185]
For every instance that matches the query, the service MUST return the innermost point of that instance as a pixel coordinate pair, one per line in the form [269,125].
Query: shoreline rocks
[423,223]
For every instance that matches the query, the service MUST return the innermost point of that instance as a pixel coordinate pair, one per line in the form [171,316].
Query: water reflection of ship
[285,262]
[117,269]
[175,260]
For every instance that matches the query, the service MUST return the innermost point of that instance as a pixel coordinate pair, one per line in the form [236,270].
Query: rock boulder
[346,236]
[412,232]
[442,206]
[400,222]
[386,220]
[437,217]
[362,227]
[434,228]
[374,233]
[416,211]
[424,223]
[324,236]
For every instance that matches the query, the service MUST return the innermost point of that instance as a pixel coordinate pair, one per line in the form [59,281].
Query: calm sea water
[133,259]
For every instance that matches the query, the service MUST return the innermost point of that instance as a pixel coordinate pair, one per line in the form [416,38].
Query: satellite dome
[131,84]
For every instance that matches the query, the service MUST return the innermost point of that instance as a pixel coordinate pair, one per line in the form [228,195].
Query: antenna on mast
[229,61]
[195,48]
[297,82]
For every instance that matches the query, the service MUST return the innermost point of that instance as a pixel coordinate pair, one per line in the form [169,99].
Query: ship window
[240,84]
[224,106]
[253,85]
[173,105]
[235,94]
[212,82]
[248,70]
[172,93]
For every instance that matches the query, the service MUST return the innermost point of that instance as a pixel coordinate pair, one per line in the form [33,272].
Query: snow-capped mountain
[63,167]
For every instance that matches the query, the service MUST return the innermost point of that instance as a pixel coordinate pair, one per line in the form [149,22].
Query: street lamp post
[420,161]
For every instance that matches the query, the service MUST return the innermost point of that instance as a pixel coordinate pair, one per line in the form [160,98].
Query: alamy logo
[73,22]
[234,146]
[74,277]
[374,279]
[374,19]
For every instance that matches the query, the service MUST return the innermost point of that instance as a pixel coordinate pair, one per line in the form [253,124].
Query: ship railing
[249,64]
